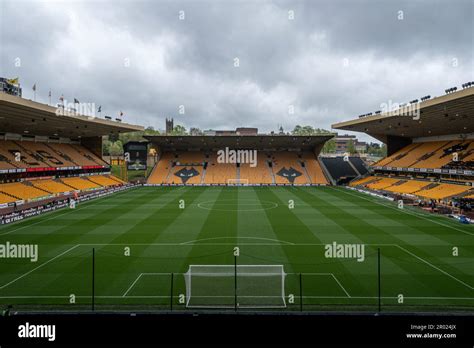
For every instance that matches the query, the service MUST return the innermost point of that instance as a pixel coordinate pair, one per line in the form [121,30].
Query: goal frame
[238,182]
[232,272]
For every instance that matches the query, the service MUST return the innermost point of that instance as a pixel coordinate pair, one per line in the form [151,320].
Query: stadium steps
[10,195]
[432,153]
[354,167]
[397,155]
[29,183]
[271,172]
[428,187]
[118,181]
[398,183]
[326,172]
[203,174]
[42,160]
[170,172]
[69,159]
[359,164]
[305,171]
[25,152]
[64,183]
[91,179]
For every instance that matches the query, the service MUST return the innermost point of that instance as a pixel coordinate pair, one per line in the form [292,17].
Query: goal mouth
[235,286]
[238,182]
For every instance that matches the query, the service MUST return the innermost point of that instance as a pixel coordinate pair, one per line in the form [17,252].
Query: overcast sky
[329,61]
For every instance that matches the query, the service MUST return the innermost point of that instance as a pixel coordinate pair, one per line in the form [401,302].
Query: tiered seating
[443,191]
[261,174]
[363,180]
[382,183]
[338,168]
[116,179]
[103,180]
[434,154]
[80,183]
[38,155]
[410,187]
[387,161]
[6,198]
[314,169]
[219,173]
[286,167]
[22,190]
[161,170]
[52,186]
[187,161]
[414,156]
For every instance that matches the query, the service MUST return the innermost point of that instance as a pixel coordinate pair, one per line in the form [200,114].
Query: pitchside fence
[240,287]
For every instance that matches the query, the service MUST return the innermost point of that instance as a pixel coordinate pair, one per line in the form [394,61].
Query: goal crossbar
[237,181]
[228,286]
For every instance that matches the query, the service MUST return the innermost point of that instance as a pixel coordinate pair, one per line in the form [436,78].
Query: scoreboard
[135,155]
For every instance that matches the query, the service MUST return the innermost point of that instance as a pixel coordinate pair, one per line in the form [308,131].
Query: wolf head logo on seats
[291,174]
[185,174]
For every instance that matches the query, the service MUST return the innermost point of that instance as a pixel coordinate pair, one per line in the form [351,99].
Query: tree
[195,131]
[116,149]
[351,147]
[179,130]
[309,130]
[329,146]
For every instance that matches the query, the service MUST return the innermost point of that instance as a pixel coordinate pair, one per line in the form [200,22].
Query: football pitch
[131,250]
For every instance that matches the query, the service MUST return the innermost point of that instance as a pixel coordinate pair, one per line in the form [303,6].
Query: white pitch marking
[133,284]
[38,267]
[437,268]
[256,238]
[406,212]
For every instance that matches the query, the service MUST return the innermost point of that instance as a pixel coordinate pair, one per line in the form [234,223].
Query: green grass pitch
[416,249]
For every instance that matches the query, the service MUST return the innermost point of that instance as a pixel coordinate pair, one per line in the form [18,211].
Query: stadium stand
[364,180]
[382,183]
[409,187]
[37,188]
[314,169]
[219,173]
[52,186]
[23,190]
[272,167]
[103,180]
[434,154]
[359,165]
[79,183]
[4,198]
[161,170]
[339,170]
[37,155]
[442,191]
[287,168]
[261,174]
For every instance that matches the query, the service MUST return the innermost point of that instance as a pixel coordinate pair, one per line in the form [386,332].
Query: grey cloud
[282,62]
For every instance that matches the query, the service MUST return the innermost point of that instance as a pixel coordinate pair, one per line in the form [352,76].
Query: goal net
[229,286]
[237,181]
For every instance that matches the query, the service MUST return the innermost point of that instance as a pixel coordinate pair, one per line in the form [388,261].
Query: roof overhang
[254,142]
[446,115]
[22,116]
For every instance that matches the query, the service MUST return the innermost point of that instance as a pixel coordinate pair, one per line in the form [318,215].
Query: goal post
[227,286]
[242,182]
